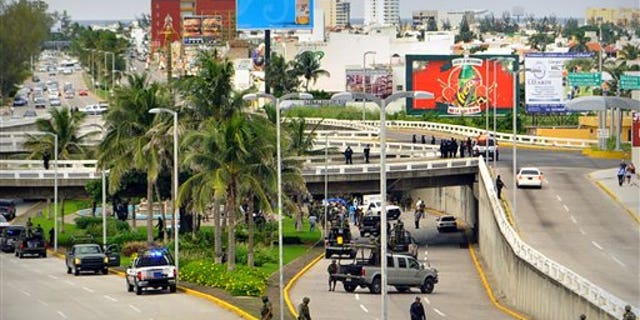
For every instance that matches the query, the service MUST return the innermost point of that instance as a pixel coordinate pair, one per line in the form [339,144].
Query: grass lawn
[291,252]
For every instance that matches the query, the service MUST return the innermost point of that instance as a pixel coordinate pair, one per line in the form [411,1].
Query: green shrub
[124,237]
[85,222]
[132,247]
[243,281]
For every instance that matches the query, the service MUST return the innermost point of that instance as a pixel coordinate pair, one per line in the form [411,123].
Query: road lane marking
[110,298]
[53,277]
[597,245]
[26,293]
[582,231]
[43,303]
[565,207]
[87,289]
[70,283]
[618,261]
[357,296]
[62,314]
[574,219]
[364,308]
[559,199]
[135,309]
[426,300]
[439,312]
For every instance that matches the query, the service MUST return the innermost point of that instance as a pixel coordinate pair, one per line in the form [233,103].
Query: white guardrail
[459,130]
[563,275]
[345,169]
[11,141]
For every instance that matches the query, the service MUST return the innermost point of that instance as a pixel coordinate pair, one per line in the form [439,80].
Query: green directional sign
[585,79]
[629,82]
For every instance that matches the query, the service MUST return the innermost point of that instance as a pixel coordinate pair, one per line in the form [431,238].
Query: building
[618,16]
[167,18]
[381,12]
[421,18]
[343,13]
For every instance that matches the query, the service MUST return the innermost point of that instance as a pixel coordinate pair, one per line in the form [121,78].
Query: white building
[381,12]
[343,13]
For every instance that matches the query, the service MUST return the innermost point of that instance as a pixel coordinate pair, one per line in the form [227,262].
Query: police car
[153,268]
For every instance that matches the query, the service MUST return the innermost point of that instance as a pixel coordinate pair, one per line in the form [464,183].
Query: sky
[129,9]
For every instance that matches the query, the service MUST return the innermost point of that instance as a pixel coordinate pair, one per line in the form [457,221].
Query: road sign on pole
[629,82]
[592,79]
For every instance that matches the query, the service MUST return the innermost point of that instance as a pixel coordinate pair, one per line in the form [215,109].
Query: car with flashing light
[152,269]
[87,257]
[529,177]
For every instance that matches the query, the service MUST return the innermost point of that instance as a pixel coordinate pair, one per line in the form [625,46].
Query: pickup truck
[339,241]
[375,206]
[9,237]
[154,268]
[403,272]
[31,242]
[87,257]
[370,224]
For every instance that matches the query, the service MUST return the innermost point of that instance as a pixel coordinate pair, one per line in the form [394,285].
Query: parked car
[93,109]
[446,222]
[83,92]
[529,177]
[8,208]
[20,101]
[29,114]
[152,268]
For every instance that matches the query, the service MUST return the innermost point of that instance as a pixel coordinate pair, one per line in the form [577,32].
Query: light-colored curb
[615,197]
[487,287]
[219,302]
[293,281]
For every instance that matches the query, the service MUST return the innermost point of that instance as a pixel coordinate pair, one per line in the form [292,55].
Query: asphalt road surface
[459,293]
[35,288]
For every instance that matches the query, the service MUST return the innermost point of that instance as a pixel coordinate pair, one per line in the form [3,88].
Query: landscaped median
[606,154]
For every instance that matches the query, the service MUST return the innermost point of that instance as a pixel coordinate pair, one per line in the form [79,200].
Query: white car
[446,222]
[55,102]
[94,109]
[529,177]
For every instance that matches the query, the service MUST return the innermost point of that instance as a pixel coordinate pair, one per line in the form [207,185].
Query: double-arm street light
[176,211]
[277,101]
[383,103]
[55,185]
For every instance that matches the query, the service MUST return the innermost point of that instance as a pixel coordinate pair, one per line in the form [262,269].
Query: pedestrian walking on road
[418,215]
[628,314]
[266,313]
[367,151]
[332,269]
[621,172]
[417,310]
[499,186]
[629,172]
[303,309]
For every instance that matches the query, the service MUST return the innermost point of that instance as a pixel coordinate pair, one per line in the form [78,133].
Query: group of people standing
[348,154]
[450,148]
[626,172]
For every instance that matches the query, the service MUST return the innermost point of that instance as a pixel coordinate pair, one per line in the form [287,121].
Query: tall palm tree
[307,65]
[281,76]
[225,157]
[66,125]
[629,52]
[128,142]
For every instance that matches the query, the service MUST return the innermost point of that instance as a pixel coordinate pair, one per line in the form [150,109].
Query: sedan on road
[446,222]
[19,101]
[83,92]
[529,177]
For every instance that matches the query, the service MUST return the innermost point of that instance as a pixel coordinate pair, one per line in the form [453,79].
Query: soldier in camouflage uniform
[628,314]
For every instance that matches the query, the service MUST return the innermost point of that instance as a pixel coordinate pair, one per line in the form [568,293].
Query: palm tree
[64,124]
[128,144]
[225,157]
[629,52]
[281,76]
[307,65]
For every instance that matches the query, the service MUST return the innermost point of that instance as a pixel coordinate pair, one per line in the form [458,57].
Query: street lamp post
[55,187]
[253,97]
[326,179]
[382,103]
[176,211]
[364,82]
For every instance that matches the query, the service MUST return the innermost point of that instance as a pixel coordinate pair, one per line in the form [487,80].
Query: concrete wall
[521,284]
[457,200]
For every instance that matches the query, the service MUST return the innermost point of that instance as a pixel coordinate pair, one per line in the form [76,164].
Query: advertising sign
[378,82]
[201,29]
[547,87]
[274,14]
[628,82]
[461,86]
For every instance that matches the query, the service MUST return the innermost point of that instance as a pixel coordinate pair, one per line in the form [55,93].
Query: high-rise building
[328,8]
[343,13]
[174,11]
[381,12]
[619,16]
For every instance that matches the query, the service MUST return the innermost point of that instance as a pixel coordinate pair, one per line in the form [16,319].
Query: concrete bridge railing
[82,165]
[345,169]
[460,130]
[530,281]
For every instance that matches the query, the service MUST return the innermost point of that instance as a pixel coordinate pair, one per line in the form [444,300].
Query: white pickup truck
[153,268]
[373,203]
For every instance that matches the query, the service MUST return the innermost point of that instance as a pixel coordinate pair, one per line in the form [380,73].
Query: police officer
[266,313]
[303,309]
[628,314]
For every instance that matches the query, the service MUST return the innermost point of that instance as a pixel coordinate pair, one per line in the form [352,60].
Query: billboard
[274,14]
[378,82]
[201,29]
[547,87]
[461,85]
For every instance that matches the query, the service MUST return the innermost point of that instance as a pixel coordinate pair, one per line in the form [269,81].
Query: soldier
[303,309]
[628,314]
[332,269]
[266,313]
[417,310]
[583,317]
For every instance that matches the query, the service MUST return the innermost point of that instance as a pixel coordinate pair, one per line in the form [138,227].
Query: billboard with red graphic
[462,85]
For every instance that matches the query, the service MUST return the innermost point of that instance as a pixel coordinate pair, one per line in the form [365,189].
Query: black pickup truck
[371,225]
[339,242]
[31,242]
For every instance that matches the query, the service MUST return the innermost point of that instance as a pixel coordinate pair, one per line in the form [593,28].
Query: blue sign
[274,14]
